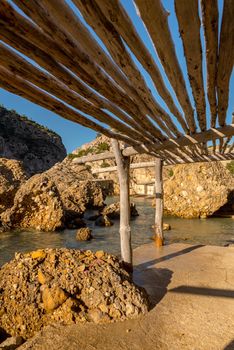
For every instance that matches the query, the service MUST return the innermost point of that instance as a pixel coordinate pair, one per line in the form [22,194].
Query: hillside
[22,139]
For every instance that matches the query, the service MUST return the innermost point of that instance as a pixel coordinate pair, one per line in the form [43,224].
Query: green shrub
[104,164]
[230,167]
[102,147]
[170,172]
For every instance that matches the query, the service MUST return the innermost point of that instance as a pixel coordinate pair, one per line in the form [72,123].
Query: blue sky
[73,135]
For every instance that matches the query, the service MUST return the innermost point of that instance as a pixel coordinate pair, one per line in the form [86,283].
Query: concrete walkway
[192,294]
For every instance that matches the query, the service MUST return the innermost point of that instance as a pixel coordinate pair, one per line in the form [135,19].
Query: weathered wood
[226,59]
[65,51]
[169,144]
[158,224]
[116,14]
[189,26]
[124,230]
[156,20]
[21,87]
[210,19]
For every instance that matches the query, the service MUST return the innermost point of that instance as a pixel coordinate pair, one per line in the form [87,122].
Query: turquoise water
[214,231]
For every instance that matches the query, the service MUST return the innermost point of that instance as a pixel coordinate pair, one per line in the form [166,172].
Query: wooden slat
[116,14]
[210,19]
[25,70]
[21,87]
[156,20]
[112,40]
[48,63]
[73,58]
[189,27]
[226,59]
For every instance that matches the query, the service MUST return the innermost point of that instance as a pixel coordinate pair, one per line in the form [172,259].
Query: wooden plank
[11,61]
[155,18]
[226,59]
[116,15]
[158,223]
[112,40]
[189,27]
[21,87]
[210,19]
[65,51]
[125,229]
[185,140]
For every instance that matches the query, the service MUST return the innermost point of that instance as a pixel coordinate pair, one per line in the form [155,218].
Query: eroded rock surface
[22,139]
[67,286]
[37,204]
[197,190]
[84,234]
[12,175]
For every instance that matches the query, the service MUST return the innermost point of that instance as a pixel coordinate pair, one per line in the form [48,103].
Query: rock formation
[68,286]
[197,190]
[22,139]
[54,199]
[84,234]
[12,175]
[113,210]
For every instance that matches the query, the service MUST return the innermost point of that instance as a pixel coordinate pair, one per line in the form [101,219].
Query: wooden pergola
[84,69]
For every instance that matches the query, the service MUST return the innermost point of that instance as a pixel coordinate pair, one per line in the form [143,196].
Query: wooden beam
[125,229]
[210,19]
[169,144]
[158,224]
[226,59]
[115,13]
[155,18]
[189,27]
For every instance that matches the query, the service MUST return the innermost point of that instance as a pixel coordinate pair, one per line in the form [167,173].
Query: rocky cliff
[22,139]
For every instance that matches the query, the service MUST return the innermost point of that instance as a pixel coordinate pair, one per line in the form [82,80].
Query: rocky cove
[63,221]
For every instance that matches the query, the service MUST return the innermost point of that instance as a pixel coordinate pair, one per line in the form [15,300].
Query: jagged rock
[197,190]
[103,220]
[11,343]
[68,286]
[83,234]
[113,210]
[37,204]
[22,139]
[12,175]
[55,199]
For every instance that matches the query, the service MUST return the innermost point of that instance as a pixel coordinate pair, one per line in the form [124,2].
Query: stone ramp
[192,295]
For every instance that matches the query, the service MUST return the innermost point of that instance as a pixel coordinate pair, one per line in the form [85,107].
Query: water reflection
[215,231]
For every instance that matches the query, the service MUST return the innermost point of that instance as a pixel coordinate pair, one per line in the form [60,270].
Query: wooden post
[123,164]
[158,202]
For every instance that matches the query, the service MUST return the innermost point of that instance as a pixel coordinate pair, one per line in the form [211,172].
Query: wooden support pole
[159,202]
[123,165]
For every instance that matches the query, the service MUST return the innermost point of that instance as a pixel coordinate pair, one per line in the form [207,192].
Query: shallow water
[214,231]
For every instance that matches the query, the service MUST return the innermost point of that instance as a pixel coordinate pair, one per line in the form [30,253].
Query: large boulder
[37,204]
[22,139]
[197,190]
[68,286]
[12,175]
[54,199]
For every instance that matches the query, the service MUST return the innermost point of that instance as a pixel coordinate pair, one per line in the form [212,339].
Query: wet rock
[12,175]
[113,210]
[104,221]
[11,343]
[76,223]
[84,234]
[66,286]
